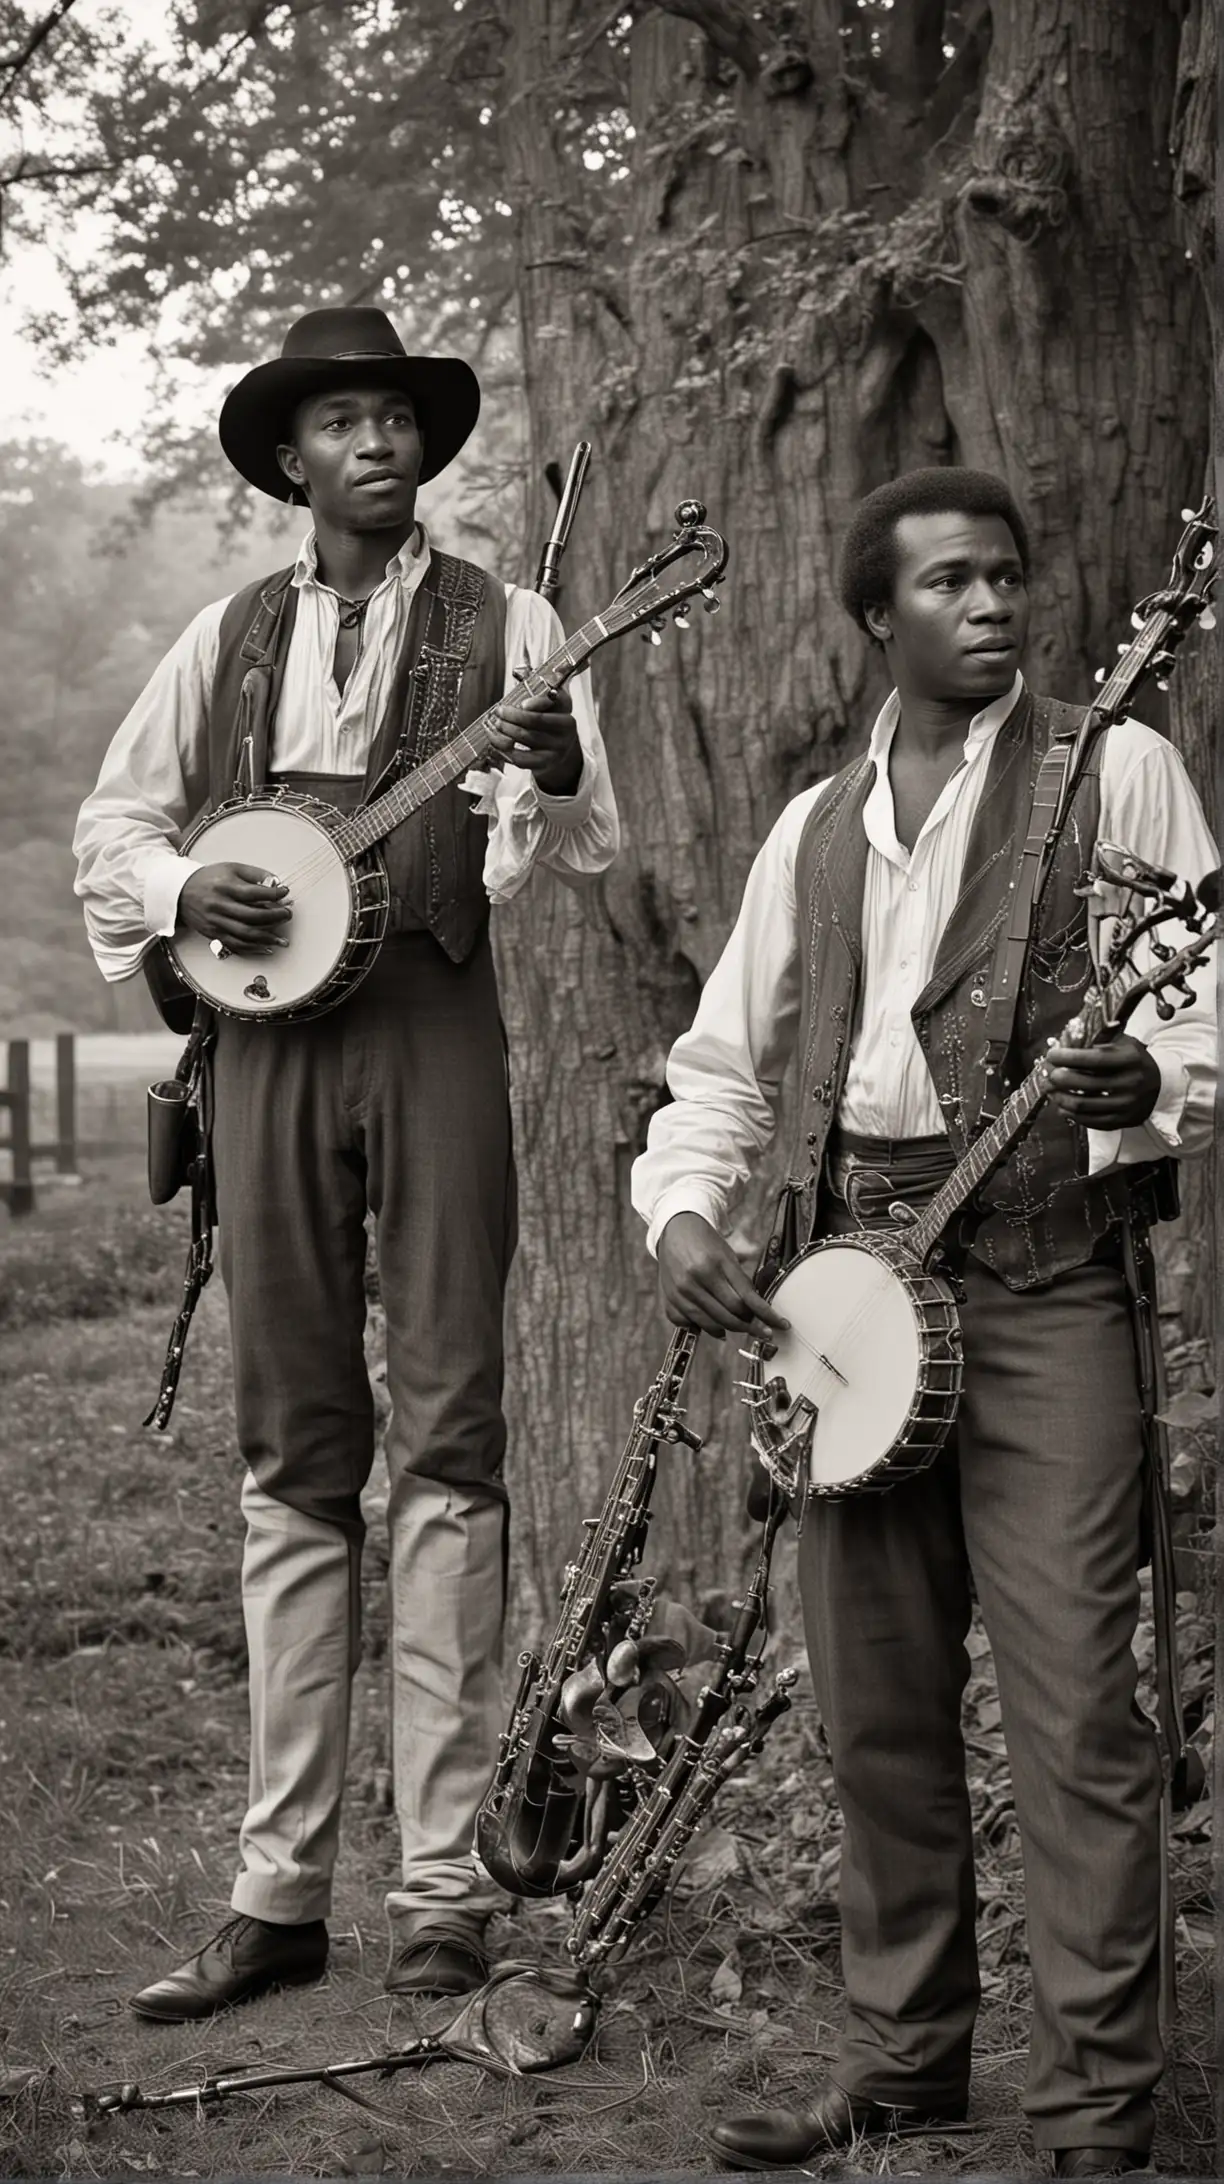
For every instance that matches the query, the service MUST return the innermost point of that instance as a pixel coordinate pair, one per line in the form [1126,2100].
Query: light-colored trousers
[396,1103]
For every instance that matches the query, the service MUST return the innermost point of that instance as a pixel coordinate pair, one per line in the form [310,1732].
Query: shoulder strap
[1060,723]
[251,636]
[425,689]
[457,590]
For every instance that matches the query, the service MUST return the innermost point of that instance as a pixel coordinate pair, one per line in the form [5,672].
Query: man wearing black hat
[374,649]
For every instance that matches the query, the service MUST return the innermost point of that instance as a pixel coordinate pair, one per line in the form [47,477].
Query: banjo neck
[363,829]
[991,1148]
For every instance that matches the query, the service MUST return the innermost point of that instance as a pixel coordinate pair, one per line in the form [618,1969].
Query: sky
[94,406]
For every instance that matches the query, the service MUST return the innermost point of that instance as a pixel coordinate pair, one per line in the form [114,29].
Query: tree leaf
[715,1857]
[1190,1408]
[727,1986]
[18,2081]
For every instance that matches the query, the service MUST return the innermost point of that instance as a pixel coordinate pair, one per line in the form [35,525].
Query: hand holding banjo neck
[1160,621]
[643,602]
[1103,1015]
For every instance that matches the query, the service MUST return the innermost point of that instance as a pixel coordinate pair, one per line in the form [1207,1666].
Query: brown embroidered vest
[450,670]
[1040,1213]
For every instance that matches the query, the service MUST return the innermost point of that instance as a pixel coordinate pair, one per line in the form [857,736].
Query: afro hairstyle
[868,566]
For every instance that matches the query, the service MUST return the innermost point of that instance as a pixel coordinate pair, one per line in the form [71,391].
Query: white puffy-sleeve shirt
[725,1074]
[154,776]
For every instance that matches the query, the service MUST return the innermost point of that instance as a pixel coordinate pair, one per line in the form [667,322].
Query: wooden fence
[80,1095]
[21,1145]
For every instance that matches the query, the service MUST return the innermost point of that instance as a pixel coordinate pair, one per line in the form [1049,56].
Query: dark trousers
[1038,1500]
[397,1102]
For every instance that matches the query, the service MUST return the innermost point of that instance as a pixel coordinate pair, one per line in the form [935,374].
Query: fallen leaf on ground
[726,1987]
[14,2082]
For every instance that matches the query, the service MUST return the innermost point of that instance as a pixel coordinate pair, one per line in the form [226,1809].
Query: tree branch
[724,24]
[56,171]
[13,64]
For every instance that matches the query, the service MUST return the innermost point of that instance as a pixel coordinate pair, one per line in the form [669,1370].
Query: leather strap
[195,1070]
[260,648]
[1033,864]
[456,591]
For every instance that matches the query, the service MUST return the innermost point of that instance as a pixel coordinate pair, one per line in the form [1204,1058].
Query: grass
[122,1775]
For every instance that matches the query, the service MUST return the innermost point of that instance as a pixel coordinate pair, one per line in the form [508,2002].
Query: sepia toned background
[762,254]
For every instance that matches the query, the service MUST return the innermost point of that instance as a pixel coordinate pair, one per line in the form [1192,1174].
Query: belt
[867,1174]
[344,791]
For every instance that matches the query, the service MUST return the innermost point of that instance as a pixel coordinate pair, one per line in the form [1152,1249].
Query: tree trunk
[1197,715]
[829,261]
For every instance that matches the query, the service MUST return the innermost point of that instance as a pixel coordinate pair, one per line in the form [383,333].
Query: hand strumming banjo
[332,863]
[863,1388]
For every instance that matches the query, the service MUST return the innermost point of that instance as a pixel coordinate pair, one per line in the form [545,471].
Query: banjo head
[849,1364]
[296,847]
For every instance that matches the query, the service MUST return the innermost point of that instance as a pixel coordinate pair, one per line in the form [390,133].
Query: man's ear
[878,623]
[291,463]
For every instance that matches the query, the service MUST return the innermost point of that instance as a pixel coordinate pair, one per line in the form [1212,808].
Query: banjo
[862,1390]
[331,862]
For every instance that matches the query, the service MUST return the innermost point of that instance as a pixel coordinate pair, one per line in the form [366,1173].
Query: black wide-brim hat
[340,348]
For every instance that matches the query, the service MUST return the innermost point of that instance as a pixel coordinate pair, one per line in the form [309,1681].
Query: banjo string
[319,862]
[852,1326]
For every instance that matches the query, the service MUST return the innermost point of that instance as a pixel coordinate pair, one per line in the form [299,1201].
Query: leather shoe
[785,2138]
[436,1960]
[1097,2161]
[245,1958]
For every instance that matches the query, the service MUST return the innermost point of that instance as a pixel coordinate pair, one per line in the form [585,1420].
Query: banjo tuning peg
[1099,675]
[1164,1008]
[681,615]
[710,603]
[689,514]
[1207,618]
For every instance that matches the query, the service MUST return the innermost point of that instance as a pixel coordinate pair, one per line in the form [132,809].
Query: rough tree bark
[827,263]
[1197,715]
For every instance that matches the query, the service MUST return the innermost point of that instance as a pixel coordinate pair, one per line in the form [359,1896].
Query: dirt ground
[122,1721]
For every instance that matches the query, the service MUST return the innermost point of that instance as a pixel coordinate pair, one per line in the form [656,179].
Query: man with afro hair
[867,940]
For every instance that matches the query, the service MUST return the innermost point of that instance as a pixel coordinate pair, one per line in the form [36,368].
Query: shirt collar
[879,812]
[406,566]
[982,727]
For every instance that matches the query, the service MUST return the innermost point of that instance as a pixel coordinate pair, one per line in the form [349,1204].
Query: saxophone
[582,1802]
[726,1731]
[543,1824]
